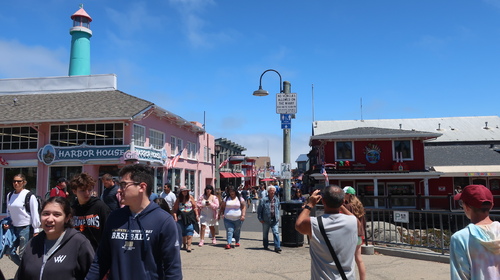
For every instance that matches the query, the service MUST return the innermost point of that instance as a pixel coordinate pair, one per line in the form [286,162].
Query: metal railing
[414,229]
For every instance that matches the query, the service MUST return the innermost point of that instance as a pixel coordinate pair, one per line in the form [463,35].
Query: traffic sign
[286,121]
[286,103]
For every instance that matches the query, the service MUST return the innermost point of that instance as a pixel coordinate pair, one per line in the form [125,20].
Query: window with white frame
[344,150]
[192,150]
[403,148]
[179,145]
[173,145]
[18,138]
[206,154]
[94,134]
[156,139]
[139,135]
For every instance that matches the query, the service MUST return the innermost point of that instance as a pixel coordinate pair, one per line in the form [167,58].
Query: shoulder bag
[327,241]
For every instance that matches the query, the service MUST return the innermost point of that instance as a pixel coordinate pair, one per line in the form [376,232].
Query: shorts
[187,230]
[360,240]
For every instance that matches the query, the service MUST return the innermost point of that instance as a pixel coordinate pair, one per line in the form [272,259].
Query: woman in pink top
[208,204]
[233,208]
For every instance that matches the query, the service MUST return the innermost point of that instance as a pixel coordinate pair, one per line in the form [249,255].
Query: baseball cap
[349,190]
[475,196]
[61,180]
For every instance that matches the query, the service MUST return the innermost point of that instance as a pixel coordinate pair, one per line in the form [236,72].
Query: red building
[415,163]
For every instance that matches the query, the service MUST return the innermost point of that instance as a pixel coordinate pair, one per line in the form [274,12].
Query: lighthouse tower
[79,63]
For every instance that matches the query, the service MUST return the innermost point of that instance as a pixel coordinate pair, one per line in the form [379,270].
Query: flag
[224,163]
[323,171]
[173,161]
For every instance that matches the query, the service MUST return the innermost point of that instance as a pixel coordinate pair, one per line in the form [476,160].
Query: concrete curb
[412,254]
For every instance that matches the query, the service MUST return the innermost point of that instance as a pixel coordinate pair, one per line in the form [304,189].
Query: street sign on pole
[286,121]
[286,103]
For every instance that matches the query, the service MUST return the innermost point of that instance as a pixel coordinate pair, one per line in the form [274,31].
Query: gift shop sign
[50,154]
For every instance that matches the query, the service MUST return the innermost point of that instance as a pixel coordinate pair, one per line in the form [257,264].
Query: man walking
[475,250]
[109,193]
[140,240]
[341,231]
[168,195]
[268,213]
[60,189]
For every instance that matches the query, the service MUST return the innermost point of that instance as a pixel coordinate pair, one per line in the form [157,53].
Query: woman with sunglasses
[21,218]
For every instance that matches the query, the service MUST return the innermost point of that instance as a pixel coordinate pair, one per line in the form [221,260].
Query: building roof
[461,155]
[302,158]
[453,129]
[72,106]
[361,133]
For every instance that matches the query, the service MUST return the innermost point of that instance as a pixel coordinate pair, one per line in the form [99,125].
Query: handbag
[327,241]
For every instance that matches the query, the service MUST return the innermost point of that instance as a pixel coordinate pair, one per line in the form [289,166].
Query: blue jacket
[6,236]
[264,209]
[145,246]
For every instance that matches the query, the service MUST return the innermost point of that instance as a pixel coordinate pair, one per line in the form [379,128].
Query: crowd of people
[127,233]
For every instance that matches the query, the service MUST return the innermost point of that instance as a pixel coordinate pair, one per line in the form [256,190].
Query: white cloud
[195,26]
[20,61]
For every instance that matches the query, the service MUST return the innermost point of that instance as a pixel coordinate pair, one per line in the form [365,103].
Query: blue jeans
[23,236]
[274,226]
[233,228]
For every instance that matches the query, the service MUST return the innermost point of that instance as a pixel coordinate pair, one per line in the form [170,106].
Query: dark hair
[232,188]
[20,175]
[66,207]
[61,180]
[163,205]
[139,173]
[167,185]
[107,177]
[208,187]
[183,198]
[82,180]
[333,196]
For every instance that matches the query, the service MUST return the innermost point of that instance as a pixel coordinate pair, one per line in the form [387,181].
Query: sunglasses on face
[17,181]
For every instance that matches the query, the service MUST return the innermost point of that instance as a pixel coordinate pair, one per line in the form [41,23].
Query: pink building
[60,126]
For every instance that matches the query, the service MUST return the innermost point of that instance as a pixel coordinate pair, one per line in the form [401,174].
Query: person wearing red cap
[475,250]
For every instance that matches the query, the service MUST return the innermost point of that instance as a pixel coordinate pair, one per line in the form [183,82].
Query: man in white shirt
[168,195]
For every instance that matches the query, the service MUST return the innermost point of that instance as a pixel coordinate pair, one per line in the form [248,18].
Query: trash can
[289,236]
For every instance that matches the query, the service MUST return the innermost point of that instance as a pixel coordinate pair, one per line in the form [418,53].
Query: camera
[207,202]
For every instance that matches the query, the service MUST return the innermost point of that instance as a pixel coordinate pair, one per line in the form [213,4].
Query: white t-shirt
[233,208]
[342,231]
[169,198]
[17,212]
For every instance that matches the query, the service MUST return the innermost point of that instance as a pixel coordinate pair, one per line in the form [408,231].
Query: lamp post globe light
[285,88]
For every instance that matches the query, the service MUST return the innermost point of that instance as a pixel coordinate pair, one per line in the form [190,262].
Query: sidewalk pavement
[251,261]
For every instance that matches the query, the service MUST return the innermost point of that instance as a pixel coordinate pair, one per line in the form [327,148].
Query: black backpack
[27,202]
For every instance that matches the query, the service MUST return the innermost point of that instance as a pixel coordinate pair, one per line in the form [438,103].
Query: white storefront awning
[468,170]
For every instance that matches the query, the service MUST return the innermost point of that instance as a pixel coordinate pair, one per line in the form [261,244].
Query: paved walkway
[251,261]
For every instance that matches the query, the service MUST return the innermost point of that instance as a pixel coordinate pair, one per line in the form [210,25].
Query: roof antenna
[15,101]
[361,107]
[400,126]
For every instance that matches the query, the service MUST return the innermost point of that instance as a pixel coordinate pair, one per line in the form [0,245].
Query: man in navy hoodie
[140,240]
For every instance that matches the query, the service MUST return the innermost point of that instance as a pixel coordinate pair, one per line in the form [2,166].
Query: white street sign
[286,103]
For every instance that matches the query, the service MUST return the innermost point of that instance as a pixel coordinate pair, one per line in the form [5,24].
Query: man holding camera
[341,231]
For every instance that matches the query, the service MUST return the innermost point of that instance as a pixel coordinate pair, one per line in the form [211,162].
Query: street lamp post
[217,169]
[286,89]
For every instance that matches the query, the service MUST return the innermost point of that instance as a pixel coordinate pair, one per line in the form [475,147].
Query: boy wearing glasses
[90,213]
[140,240]
[475,250]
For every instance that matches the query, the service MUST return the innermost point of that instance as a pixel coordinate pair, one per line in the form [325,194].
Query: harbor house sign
[50,154]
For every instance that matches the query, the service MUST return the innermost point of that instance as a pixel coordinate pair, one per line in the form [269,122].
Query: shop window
[18,138]
[402,148]
[344,150]
[67,172]
[107,134]
[180,146]
[398,193]
[495,185]
[9,173]
[366,193]
[189,179]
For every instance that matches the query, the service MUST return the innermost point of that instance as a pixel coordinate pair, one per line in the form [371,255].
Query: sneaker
[237,245]
[201,243]
[228,246]
[214,241]
[277,250]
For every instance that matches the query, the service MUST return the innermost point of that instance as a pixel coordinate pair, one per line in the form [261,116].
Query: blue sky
[404,59]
